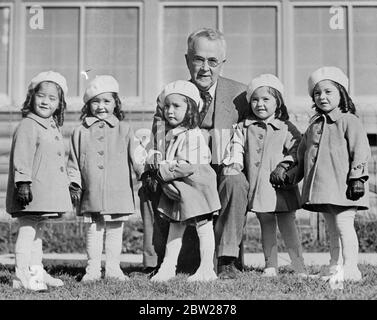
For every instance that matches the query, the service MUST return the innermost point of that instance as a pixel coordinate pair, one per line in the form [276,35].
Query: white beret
[49,76]
[101,84]
[327,73]
[263,80]
[183,87]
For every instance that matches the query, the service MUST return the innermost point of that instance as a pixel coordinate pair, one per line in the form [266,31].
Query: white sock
[113,247]
[94,247]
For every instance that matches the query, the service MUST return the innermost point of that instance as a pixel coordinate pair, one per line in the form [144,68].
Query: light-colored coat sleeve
[73,167]
[359,150]
[137,164]
[234,152]
[191,151]
[25,144]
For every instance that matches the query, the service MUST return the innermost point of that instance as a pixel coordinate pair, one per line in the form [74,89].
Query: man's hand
[75,192]
[355,189]
[231,170]
[170,191]
[24,195]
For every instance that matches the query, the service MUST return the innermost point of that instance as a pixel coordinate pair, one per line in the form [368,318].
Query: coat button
[260,136]
[257,164]
[101,138]
[101,125]
[53,125]
[62,169]
[59,153]
[319,131]
[315,145]
[57,138]
[259,150]
[100,166]
[101,152]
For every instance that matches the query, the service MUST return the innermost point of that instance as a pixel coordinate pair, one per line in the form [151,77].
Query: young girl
[37,181]
[99,166]
[333,158]
[186,169]
[266,144]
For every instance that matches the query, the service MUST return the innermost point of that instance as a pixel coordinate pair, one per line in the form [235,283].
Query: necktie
[207,99]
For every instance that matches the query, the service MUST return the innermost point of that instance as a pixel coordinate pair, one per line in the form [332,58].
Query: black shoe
[148,272]
[228,271]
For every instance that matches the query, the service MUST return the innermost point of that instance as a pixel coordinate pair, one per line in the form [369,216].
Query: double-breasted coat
[187,167]
[334,149]
[259,147]
[102,154]
[38,156]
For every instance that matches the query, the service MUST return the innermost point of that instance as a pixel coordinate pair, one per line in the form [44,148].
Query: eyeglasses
[199,61]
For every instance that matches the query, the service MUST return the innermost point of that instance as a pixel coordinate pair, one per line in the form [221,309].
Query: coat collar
[173,133]
[334,115]
[111,120]
[252,120]
[44,122]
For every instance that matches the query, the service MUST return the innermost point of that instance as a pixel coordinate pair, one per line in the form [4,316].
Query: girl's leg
[350,244]
[36,265]
[173,246]
[94,246]
[113,249]
[206,270]
[269,242]
[23,252]
[289,232]
[334,241]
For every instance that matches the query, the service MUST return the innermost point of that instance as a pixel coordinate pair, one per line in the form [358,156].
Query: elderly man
[224,104]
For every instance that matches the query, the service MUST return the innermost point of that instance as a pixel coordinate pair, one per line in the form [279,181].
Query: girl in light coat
[185,166]
[264,146]
[101,156]
[333,160]
[37,180]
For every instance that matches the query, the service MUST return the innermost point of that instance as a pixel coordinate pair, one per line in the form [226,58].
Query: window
[107,41]
[316,44]
[4,54]
[365,48]
[55,47]
[251,36]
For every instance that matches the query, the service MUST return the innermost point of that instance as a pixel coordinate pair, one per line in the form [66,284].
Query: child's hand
[75,192]
[355,189]
[171,192]
[231,170]
[24,195]
[278,177]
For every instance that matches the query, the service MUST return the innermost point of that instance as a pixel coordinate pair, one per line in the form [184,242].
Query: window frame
[76,101]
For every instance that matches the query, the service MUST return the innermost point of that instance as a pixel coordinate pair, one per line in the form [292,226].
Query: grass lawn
[249,286]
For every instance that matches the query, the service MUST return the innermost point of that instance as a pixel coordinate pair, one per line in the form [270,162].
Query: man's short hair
[208,33]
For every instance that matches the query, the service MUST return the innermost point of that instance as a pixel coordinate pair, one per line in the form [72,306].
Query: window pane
[365,49]
[316,44]
[250,34]
[4,49]
[112,47]
[55,47]
[179,23]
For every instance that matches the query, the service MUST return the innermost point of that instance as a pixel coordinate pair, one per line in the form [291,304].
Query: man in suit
[224,104]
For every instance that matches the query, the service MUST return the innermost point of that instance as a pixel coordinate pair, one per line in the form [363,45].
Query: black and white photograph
[186,157]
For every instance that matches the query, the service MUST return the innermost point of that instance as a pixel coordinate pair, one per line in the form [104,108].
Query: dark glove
[278,177]
[75,192]
[149,181]
[24,195]
[355,189]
